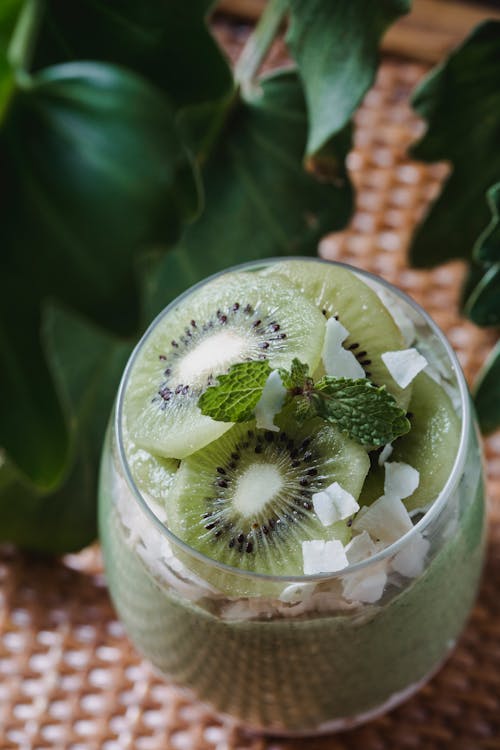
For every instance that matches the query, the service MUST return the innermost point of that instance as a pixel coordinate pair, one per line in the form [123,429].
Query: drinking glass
[295,655]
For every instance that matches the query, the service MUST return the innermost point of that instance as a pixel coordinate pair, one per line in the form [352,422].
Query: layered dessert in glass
[291,496]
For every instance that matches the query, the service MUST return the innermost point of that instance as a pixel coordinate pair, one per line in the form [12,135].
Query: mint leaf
[369,414]
[304,409]
[298,375]
[237,393]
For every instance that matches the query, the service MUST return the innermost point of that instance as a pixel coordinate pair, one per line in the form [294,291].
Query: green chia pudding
[291,496]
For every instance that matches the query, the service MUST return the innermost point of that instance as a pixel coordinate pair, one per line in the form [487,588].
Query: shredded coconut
[402,320]
[323,557]
[401,480]
[410,560]
[385,454]
[404,365]
[334,504]
[270,402]
[386,520]
[339,362]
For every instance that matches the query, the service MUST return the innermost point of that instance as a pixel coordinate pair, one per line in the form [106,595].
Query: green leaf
[487,393]
[93,170]
[86,364]
[297,377]
[482,298]
[369,414]
[460,99]
[9,12]
[113,139]
[55,523]
[32,426]
[164,41]
[483,304]
[304,408]
[259,200]
[236,394]
[335,45]
[487,247]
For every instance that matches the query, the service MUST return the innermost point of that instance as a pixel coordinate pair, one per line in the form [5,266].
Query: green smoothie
[321,567]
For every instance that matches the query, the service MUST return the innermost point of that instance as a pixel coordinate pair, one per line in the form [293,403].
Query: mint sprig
[236,394]
[369,414]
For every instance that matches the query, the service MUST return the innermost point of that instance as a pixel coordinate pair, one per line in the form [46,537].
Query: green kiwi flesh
[245,499]
[430,446]
[238,317]
[153,475]
[339,293]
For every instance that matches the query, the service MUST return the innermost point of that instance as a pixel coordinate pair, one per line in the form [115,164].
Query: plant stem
[23,39]
[258,43]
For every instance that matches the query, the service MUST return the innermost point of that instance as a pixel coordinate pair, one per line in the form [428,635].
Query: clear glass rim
[433,512]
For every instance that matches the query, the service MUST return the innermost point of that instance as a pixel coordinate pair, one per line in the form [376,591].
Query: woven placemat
[69,678]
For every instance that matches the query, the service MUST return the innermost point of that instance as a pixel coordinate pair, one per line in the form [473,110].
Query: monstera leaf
[335,45]
[460,100]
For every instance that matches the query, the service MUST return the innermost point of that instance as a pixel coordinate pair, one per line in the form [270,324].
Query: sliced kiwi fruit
[153,475]
[339,293]
[430,446]
[246,499]
[234,318]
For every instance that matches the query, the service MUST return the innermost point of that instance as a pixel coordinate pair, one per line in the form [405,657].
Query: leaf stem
[23,40]
[258,44]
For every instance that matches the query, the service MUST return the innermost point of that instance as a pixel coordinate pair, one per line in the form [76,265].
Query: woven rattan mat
[69,678]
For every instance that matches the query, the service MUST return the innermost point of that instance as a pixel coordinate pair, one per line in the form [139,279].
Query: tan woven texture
[69,678]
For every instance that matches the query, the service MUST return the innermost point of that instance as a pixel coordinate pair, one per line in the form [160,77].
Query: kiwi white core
[213,354]
[256,487]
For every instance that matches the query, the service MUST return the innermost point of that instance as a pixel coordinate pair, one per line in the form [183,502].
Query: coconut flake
[334,504]
[366,587]
[296,592]
[323,557]
[401,480]
[270,402]
[386,520]
[402,320]
[410,560]
[360,548]
[339,362]
[385,453]
[404,365]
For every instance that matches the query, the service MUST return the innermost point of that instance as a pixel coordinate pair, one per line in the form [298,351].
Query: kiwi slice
[339,293]
[246,499]
[153,475]
[430,446]
[234,318]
